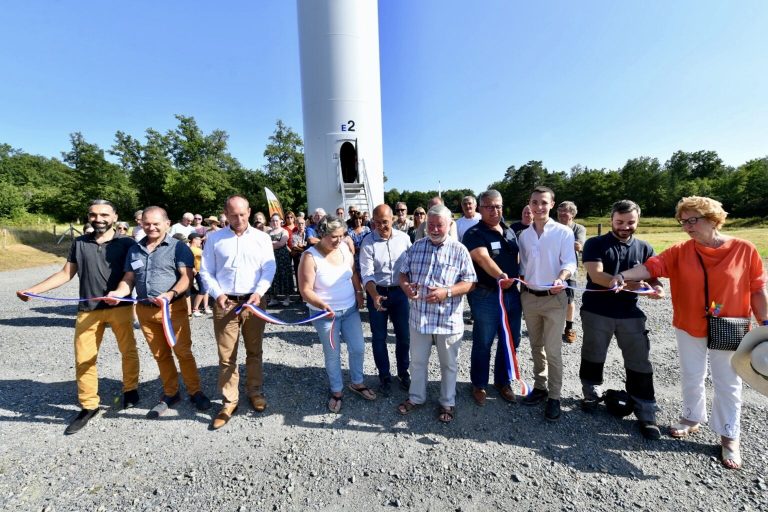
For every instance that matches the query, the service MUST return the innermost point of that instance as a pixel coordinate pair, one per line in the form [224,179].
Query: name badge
[496,246]
[137,264]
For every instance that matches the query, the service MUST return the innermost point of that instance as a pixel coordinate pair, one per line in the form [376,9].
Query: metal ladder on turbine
[356,194]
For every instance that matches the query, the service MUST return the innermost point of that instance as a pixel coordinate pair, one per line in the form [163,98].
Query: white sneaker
[272,302]
[208,311]
[197,313]
[286,302]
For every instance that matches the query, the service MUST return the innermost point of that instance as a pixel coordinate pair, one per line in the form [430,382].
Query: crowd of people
[415,273]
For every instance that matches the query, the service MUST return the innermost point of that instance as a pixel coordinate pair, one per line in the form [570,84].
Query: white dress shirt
[238,265]
[463,224]
[543,257]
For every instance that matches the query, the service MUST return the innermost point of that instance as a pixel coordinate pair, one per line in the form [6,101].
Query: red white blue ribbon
[260,313]
[165,310]
[513,365]
[641,291]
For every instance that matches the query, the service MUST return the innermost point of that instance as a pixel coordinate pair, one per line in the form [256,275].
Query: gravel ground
[297,456]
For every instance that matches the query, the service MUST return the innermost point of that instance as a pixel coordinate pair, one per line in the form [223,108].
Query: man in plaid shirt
[436,271]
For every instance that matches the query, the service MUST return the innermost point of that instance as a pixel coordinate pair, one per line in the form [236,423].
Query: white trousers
[447,352]
[726,397]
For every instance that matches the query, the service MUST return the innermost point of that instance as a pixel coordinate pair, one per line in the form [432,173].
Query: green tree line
[186,169]
[181,170]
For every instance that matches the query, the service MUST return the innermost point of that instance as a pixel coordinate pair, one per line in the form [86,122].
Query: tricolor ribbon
[641,291]
[165,310]
[260,313]
[513,366]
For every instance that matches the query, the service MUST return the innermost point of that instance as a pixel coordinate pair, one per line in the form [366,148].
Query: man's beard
[100,227]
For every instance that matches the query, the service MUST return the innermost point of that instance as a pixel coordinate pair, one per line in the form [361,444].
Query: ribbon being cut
[165,310]
[260,313]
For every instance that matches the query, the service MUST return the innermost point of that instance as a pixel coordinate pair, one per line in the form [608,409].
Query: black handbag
[723,332]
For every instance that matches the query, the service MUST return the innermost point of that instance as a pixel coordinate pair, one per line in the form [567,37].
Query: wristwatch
[174,292]
[449,292]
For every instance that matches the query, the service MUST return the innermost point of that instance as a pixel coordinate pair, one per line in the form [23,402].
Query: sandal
[730,458]
[446,414]
[407,407]
[334,403]
[680,430]
[364,391]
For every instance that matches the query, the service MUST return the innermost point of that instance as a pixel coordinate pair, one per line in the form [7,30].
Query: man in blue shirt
[381,253]
[161,267]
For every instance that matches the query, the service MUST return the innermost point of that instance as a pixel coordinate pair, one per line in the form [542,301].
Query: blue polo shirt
[157,271]
[616,256]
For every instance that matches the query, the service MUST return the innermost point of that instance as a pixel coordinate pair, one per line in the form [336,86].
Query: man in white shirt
[547,261]
[470,218]
[238,266]
[184,227]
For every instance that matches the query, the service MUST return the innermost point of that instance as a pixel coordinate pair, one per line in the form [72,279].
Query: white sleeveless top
[333,283]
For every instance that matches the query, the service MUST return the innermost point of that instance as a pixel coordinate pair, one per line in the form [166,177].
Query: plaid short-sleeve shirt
[439,266]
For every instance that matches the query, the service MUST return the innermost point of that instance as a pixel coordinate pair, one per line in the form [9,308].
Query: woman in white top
[327,282]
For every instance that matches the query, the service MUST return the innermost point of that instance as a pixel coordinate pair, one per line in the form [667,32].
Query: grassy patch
[30,247]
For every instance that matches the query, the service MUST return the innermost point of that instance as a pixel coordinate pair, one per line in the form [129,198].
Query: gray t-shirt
[157,271]
[99,267]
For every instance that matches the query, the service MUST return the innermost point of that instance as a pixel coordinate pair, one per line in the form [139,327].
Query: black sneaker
[405,381]
[535,397]
[130,398]
[649,430]
[81,420]
[552,411]
[162,407]
[201,402]
[589,405]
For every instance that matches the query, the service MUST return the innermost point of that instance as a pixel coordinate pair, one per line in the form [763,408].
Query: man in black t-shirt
[605,314]
[494,251]
[97,259]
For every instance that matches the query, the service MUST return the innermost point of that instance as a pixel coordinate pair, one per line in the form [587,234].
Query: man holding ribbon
[547,261]
[435,273]
[161,268]
[238,268]
[494,251]
[381,253]
[97,259]
[605,315]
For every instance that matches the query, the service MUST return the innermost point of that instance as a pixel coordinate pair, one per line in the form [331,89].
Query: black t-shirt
[503,250]
[616,257]
[99,267]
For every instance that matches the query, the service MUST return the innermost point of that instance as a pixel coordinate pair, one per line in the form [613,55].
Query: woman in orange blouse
[736,282]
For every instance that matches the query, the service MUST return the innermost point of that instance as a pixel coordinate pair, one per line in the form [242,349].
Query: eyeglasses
[198,218]
[497,207]
[401,210]
[690,220]
[420,214]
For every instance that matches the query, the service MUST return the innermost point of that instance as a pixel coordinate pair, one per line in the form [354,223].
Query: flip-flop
[681,430]
[727,454]
[365,392]
[407,407]
[334,404]
[446,414]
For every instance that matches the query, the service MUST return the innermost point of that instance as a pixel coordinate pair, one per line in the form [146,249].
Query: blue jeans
[487,326]
[396,307]
[346,326]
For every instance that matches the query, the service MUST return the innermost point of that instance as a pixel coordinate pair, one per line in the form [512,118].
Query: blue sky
[468,89]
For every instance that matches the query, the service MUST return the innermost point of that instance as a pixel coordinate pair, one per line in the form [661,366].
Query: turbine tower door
[348,162]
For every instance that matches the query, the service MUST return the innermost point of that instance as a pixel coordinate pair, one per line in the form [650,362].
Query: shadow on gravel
[39,321]
[69,310]
[587,443]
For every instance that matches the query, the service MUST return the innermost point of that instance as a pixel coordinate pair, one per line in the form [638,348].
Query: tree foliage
[186,169]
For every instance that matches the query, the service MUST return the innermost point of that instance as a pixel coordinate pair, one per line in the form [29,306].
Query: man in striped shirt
[435,273]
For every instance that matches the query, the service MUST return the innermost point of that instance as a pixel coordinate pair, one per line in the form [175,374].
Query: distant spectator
[419,217]
[283,281]
[213,223]
[138,231]
[566,212]
[524,222]
[184,226]
[401,222]
[197,223]
[470,217]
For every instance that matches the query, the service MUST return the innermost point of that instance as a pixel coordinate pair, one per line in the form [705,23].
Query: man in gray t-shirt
[161,267]
[97,259]
[566,212]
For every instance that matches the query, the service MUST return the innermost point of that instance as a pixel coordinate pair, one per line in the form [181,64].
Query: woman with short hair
[328,282]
